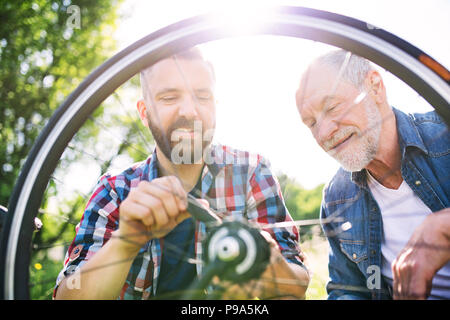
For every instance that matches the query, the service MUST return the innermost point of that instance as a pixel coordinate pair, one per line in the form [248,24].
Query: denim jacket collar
[407,132]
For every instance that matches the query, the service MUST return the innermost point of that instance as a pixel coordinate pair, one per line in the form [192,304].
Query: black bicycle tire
[15,262]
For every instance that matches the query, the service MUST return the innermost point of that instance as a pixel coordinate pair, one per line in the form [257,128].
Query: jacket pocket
[355,250]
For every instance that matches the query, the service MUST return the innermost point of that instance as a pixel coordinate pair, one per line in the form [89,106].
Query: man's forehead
[311,91]
[320,81]
[179,66]
[318,76]
[179,73]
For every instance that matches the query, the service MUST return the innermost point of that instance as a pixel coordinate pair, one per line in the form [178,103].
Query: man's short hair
[193,53]
[356,69]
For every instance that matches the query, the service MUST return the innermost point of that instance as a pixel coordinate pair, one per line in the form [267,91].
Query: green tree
[303,204]
[42,59]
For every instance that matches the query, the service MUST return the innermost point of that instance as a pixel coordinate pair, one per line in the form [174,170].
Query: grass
[316,250]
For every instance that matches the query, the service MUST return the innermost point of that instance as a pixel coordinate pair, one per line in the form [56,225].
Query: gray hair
[355,70]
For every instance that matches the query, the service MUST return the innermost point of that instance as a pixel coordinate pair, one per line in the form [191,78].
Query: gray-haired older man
[393,188]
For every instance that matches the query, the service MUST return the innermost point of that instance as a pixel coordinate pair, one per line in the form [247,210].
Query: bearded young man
[137,240]
[385,212]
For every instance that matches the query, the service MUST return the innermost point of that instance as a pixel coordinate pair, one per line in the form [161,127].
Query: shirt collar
[408,136]
[151,170]
[216,159]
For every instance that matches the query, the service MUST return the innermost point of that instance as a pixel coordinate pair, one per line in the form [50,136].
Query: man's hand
[427,251]
[151,211]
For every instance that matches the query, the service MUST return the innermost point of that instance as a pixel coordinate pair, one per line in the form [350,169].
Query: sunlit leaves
[39,68]
[302,203]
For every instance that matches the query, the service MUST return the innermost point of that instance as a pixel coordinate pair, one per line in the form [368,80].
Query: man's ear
[142,110]
[375,85]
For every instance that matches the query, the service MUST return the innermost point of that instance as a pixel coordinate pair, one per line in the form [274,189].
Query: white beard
[362,150]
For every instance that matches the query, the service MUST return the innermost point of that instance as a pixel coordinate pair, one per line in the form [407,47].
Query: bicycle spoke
[143,139]
[97,122]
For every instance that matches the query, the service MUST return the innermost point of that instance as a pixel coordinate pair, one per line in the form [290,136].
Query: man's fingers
[138,212]
[154,212]
[153,209]
[408,281]
[159,212]
[415,283]
[164,197]
[173,185]
[395,284]
[163,193]
[180,193]
[269,239]
[182,216]
[398,286]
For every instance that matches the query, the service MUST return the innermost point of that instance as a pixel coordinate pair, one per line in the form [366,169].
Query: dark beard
[164,143]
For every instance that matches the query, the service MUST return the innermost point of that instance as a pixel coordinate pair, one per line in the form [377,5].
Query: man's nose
[188,107]
[326,128]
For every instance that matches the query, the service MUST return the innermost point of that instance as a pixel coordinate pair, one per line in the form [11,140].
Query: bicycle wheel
[426,76]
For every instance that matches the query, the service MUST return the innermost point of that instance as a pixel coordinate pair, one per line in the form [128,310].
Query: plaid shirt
[235,183]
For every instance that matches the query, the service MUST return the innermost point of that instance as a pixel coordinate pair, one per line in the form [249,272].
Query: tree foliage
[42,59]
[303,204]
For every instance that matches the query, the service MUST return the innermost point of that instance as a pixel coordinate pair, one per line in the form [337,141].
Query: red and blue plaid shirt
[235,183]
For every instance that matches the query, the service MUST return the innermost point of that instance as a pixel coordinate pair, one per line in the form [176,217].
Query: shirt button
[354,256]
[418,182]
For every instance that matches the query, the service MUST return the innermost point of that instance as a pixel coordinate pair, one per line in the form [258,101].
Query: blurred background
[48,47]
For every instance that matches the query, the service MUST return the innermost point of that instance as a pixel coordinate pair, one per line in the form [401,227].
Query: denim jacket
[351,218]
